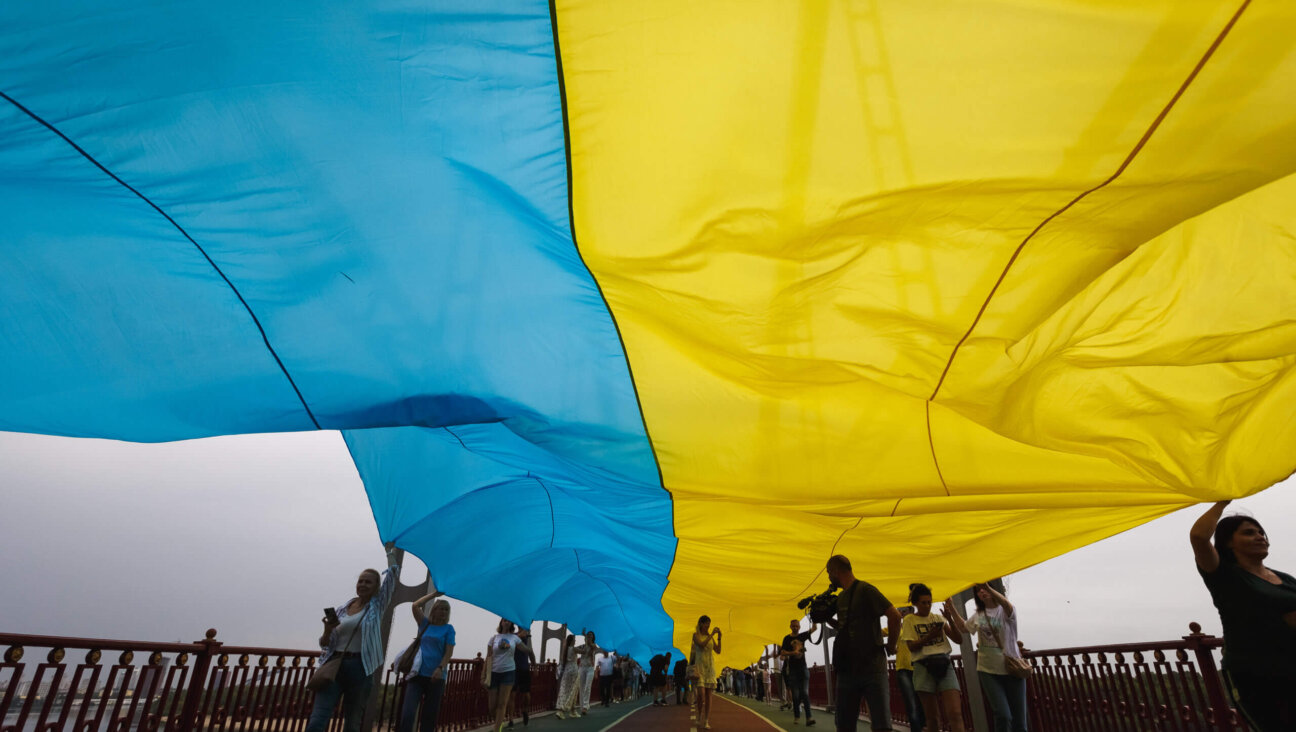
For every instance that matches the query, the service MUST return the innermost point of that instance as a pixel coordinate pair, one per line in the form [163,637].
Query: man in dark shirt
[859,653]
[681,671]
[522,658]
[794,669]
[657,666]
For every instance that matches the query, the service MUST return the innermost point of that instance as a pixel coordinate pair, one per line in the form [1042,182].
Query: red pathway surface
[726,716]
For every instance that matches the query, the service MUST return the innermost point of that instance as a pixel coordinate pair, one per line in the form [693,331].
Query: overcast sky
[255,534]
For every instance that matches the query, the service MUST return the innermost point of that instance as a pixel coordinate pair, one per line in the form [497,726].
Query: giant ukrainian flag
[634,310]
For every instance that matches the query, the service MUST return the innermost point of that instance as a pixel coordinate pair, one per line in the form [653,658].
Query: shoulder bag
[406,663]
[328,671]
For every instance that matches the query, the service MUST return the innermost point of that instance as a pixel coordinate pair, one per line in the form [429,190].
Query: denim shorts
[502,678]
[924,683]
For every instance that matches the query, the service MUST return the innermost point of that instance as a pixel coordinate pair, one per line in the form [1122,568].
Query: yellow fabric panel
[796,210]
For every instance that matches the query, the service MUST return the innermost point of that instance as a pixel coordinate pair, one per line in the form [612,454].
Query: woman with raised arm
[568,679]
[353,635]
[500,654]
[995,625]
[706,643]
[427,679]
[1257,607]
[589,659]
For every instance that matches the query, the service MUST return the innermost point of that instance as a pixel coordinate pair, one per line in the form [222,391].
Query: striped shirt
[371,642]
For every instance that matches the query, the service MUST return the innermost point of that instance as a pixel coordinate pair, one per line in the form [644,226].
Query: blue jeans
[871,687]
[1007,697]
[421,692]
[913,710]
[352,686]
[799,690]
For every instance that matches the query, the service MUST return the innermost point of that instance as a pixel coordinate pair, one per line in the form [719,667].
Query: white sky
[255,534]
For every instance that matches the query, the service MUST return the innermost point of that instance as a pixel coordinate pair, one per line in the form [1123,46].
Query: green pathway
[783,719]
[729,713]
[598,719]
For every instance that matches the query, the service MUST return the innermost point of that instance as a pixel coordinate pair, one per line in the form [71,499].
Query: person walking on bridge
[426,683]
[706,645]
[568,679]
[1257,607]
[353,634]
[589,653]
[798,676]
[995,624]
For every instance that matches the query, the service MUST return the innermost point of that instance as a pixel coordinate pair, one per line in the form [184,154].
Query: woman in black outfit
[1257,607]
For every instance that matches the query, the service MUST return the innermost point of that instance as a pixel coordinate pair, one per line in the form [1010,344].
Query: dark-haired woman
[589,661]
[501,652]
[928,636]
[995,625]
[568,679]
[1257,607]
[706,643]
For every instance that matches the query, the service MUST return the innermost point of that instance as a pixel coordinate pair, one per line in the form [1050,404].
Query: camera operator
[859,654]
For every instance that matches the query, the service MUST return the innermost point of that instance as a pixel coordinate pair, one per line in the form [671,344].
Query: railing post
[972,680]
[1220,706]
[826,634]
[207,649]
[402,594]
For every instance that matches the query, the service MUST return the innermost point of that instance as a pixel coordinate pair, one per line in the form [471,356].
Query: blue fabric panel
[109,318]
[248,216]
[528,533]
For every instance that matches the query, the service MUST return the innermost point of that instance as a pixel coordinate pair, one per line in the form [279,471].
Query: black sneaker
[810,722]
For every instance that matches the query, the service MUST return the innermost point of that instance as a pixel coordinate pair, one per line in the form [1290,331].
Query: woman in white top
[995,625]
[588,653]
[568,679]
[353,634]
[503,665]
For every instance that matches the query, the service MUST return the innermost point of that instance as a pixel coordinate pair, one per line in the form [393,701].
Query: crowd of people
[1257,608]
[923,664]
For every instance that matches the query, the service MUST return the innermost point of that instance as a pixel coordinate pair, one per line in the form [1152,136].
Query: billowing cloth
[649,307]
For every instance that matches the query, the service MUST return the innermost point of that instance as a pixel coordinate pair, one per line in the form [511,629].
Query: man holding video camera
[860,653]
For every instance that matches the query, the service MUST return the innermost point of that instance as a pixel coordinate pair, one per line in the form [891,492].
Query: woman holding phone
[706,643]
[353,634]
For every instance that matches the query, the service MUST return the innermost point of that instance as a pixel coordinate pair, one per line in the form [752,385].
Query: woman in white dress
[568,679]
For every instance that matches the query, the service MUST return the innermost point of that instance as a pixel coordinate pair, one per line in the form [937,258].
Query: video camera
[822,606]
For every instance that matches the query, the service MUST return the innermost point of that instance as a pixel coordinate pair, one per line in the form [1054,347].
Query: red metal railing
[1168,685]
[139,685]
[202,685]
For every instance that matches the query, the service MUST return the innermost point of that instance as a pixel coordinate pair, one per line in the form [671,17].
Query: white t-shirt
[503,646]
[915,627]
[605,665]
[990,657]
[347,632]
